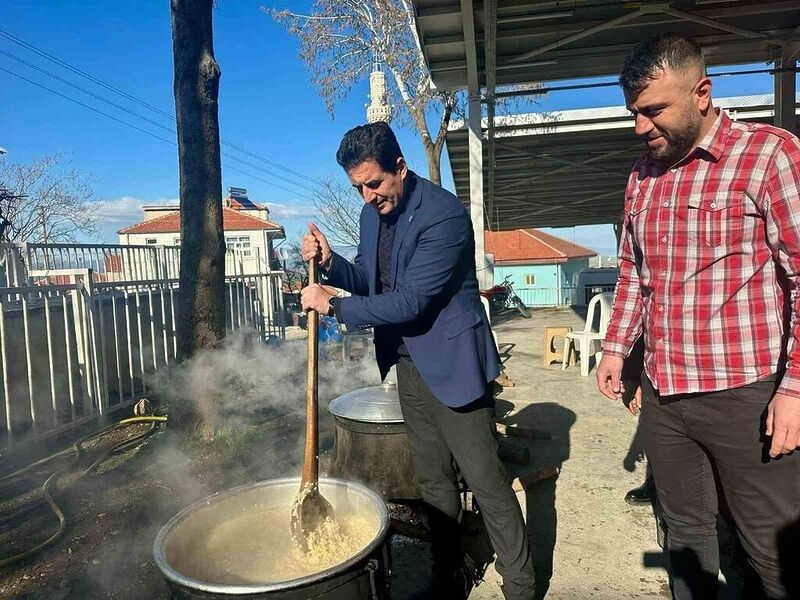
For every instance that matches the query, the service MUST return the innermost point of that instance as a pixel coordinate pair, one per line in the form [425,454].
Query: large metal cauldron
[364,576]
[370,441]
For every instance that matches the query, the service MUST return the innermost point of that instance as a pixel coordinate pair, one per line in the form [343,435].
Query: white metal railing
[108,262]
[544,297]
[563,296]
[48,361]
[75,343]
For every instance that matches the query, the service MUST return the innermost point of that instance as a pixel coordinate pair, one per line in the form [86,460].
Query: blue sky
[267,105]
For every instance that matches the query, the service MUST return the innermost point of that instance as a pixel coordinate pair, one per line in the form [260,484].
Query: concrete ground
[595,544]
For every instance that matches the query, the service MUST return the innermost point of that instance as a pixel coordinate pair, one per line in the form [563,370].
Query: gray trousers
[444,439]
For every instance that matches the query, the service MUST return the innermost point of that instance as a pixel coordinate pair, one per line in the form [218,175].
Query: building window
[530,280]
[240,243]
[151,241]
[176,241]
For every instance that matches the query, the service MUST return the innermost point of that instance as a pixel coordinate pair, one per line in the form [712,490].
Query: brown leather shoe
[504,380]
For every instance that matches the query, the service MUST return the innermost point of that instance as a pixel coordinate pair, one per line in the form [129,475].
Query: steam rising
[248,383]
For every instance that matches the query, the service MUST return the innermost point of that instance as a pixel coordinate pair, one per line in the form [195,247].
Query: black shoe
[644,494]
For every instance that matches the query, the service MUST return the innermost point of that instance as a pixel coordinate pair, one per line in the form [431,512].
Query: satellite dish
[282,253]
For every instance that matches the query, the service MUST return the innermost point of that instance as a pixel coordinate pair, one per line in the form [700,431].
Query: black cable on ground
[47,493]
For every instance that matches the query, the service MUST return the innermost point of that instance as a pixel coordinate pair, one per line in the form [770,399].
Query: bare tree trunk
[201,308]
[434,160]
[433,149]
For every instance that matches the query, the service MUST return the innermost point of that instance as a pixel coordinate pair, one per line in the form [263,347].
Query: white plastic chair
[485,303]
[592,335]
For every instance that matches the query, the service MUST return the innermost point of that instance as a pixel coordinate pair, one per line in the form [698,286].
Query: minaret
[378,108]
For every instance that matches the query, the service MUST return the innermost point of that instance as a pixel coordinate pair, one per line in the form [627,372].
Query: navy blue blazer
[434,304]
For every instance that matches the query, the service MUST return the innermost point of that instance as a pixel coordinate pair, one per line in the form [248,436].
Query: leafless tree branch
[47,200]
[339,209]
[338,40]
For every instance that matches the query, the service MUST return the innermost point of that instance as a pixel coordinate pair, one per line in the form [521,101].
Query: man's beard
[678,143]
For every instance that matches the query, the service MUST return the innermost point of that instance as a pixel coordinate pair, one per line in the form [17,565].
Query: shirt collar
[713,141]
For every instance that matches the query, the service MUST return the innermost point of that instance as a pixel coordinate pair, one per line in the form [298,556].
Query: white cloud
[113,215]
[291,211]
[126,210]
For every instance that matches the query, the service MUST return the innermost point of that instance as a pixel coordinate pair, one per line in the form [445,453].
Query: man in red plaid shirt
[709,267]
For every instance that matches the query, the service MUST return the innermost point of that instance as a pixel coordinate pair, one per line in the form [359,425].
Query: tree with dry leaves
[339,41]
[46,201]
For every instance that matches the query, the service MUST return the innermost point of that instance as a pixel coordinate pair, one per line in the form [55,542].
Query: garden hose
[46,493]
[62,525]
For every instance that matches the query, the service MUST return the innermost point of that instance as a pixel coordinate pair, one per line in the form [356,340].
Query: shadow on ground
[540,497]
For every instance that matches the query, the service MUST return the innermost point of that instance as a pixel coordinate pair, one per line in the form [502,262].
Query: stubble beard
[678,141]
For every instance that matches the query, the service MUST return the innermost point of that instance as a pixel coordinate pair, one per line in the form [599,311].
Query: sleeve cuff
[790,385]
[616,349]
[325,273]
[337,309]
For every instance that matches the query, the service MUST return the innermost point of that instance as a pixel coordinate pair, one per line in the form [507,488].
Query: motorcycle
[502,297]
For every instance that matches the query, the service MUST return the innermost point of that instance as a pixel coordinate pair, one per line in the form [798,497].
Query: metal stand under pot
[371,447]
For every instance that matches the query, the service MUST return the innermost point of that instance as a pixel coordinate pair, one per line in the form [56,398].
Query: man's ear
[402,167]
[702,93]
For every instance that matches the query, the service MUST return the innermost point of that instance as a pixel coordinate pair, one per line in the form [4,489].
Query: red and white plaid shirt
[709,263]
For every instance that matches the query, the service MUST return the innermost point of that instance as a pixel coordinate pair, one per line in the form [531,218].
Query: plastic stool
[549,354]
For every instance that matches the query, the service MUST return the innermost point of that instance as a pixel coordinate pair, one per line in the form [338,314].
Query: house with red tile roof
[541,267]
[248,229]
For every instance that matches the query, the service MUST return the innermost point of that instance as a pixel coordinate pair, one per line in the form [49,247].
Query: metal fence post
[96,349]
[81,347]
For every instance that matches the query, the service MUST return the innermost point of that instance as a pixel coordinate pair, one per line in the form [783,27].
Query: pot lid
[374,404]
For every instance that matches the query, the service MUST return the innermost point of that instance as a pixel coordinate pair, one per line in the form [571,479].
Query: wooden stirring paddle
[310,509]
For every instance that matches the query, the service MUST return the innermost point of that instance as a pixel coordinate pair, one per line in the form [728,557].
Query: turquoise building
[541,267]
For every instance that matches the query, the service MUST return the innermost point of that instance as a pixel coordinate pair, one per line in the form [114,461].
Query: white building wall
[253,247]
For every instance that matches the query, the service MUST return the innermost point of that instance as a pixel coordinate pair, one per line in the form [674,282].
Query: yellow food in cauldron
[255,547]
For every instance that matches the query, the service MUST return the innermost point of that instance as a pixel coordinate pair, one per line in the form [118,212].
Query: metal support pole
[785,82]
[559,284]
[476,186]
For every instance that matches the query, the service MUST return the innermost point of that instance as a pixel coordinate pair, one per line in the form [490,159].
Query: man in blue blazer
[413,281]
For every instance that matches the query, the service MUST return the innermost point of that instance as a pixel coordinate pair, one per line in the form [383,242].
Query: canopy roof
[569,167]
[542,40]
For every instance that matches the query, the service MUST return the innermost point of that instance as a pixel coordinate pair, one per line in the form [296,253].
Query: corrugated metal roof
[546,40]
[567,168]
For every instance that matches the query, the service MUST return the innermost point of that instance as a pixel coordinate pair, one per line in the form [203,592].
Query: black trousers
[443,439]
[702,445]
